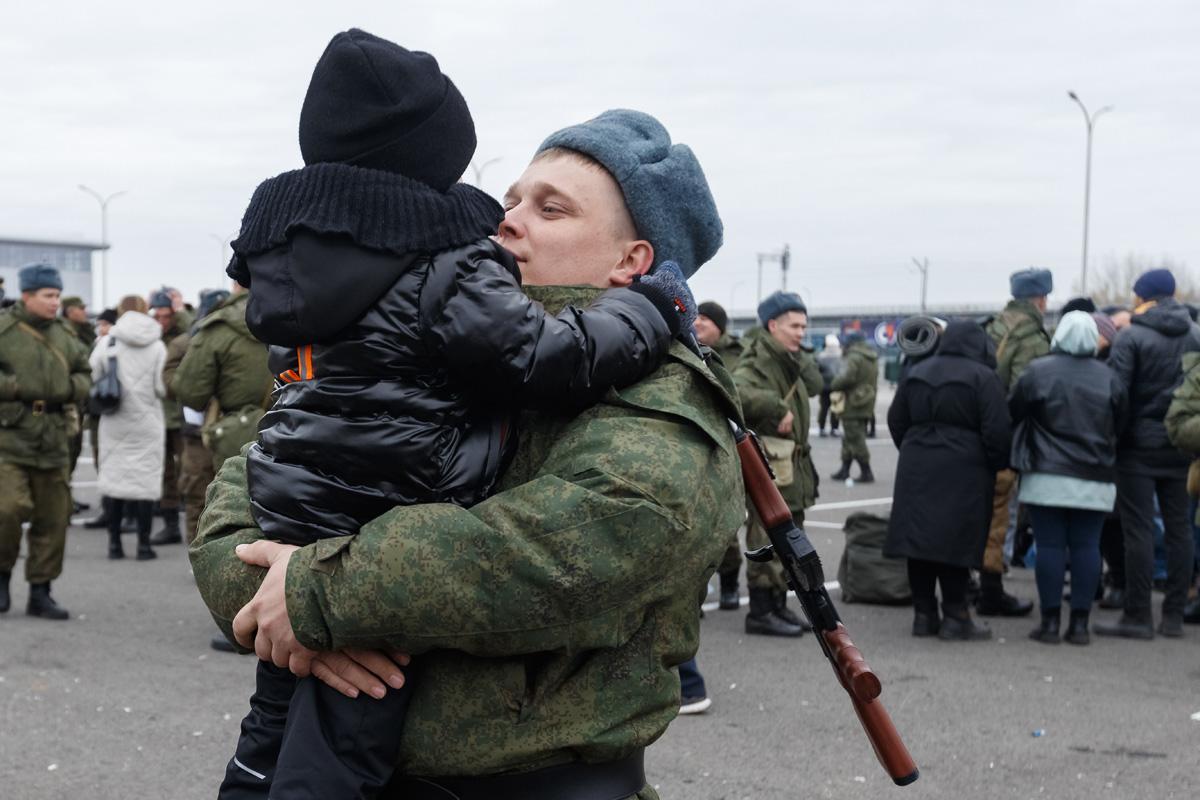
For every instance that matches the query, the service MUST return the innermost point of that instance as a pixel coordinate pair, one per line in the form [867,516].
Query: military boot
[170,533]
[762,619]
[865,476]
[5,597]
[41,604]
[730,600]
[779,600]
[995,602]
[843,473]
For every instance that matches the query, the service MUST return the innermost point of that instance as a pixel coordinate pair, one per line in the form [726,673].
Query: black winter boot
[995,602]
[730,600]
[5,597]
[958,625]
[762,619]
[41,604]
[926,620]
[1047,631]
[170,533]
[1077,628]
[865,474]
[1128,627]
[843,473]
[145,520]
[100,521]
[115,550]
[779,598]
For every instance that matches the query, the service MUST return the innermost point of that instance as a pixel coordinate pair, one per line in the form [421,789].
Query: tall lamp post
[923,268]
[222,242]
[1090,119]
[479,168]
[103,201]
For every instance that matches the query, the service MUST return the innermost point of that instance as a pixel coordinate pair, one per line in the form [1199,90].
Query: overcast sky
[862,134]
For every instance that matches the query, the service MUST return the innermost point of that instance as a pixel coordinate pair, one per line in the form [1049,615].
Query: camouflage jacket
[172,408]
[39,360]
[859,381]
[765,376]
[1183,415]
[85,332]
[729,348]
[1020,338]
[548,619]
[224,361]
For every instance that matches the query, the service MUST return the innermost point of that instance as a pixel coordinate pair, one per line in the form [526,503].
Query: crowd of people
[385,514]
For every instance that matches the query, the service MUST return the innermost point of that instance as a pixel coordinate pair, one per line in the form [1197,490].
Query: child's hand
[667,288]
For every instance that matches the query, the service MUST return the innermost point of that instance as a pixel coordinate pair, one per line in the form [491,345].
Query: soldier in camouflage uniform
[1020,336]
[74,312]
[548,629]
[774,379]
[174,325]
[226,366]
[43,369]
[858,381]
[711,331]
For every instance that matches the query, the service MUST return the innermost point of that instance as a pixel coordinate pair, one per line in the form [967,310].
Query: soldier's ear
[636,259]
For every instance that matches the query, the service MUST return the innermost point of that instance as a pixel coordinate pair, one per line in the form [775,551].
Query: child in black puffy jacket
[402,344]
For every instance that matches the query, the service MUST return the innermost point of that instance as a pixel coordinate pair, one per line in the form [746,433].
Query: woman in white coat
[132,437]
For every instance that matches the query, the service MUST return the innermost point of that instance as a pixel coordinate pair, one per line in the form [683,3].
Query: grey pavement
[127,701]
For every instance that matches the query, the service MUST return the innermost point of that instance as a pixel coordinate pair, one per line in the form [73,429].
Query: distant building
[72,259]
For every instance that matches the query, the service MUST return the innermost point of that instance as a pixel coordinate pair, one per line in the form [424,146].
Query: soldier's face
[789,329]
[164,317]
[566,224]
[77,314]
[707,331]
[43,303]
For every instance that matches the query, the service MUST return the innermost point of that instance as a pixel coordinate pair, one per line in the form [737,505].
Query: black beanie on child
[371,103]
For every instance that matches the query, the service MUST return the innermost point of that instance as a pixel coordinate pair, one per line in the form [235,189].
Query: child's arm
[506,346]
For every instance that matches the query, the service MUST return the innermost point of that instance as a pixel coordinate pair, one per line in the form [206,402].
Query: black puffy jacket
[1148,359]
[1067,411]
[398,375]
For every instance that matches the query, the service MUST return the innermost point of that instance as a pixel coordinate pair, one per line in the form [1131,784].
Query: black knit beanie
[374,104]
[714,312]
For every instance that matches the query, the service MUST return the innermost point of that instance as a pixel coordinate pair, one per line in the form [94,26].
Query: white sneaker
[694,705]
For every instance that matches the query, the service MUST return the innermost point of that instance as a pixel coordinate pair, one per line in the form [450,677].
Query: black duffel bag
[105,395]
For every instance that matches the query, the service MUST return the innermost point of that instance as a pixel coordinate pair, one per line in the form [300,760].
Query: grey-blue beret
[1032,282]
[779,303]
[665,189]
[38,276]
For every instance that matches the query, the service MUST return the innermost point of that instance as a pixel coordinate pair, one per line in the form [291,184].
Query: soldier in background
[173,325]
[1020,336]
[74,312]
[858,382]
[225,373]
[43,369]
[711,324]
[774,379]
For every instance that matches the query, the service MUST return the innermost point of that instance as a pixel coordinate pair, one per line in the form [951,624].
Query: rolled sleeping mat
[918,336]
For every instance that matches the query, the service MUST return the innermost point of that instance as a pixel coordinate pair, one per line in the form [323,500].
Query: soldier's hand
[352,671]
[785,425]
[263,623]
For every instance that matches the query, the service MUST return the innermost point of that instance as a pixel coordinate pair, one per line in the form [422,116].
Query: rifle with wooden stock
[802,566]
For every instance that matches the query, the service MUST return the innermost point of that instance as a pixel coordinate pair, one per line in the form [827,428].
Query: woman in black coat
[950,421]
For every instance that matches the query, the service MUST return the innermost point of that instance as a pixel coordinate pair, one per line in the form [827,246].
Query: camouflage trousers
[770,574]
[854,441]
[195,474]
[170,482]
[731,561]
[43,498]
[993,553]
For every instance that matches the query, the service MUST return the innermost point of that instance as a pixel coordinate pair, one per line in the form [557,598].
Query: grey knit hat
[664,187]
[779,303]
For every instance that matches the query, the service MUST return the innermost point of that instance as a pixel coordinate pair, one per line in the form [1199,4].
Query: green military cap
[68,302]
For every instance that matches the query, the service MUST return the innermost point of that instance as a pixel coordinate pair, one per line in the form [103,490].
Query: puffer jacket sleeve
[494,338]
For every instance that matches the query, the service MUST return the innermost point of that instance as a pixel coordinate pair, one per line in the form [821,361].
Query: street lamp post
[103,201]
[222,243]
[923,268]
[1090,119]
[479,168]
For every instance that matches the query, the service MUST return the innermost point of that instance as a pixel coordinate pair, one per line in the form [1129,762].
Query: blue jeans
[1057,532]
[691,682]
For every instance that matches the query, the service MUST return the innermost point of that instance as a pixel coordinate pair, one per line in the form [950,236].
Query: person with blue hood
[1148,359]
[950,422]
[1068,408]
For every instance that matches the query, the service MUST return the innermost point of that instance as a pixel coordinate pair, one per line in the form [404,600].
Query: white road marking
[744,600]
[876,501]
[812,523]
[83,484]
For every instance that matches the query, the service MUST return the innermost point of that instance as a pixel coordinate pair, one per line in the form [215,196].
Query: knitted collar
[375,209]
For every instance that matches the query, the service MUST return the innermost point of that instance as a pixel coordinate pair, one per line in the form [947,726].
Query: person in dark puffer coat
[402,346]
